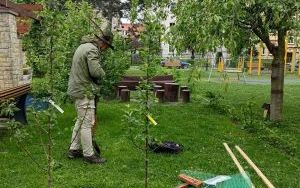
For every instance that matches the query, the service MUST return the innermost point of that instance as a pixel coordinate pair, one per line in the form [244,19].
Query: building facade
[12,56]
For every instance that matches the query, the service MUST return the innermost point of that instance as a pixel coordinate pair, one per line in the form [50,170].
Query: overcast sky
[125,20]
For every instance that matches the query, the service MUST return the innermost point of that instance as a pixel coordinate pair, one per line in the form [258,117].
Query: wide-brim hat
[106,36]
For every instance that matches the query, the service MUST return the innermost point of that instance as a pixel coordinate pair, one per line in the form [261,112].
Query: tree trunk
[277,80]
[193,54]
[277,83]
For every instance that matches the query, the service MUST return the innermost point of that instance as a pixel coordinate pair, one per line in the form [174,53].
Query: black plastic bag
[165,147]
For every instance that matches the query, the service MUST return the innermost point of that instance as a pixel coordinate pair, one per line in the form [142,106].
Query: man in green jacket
[83,83]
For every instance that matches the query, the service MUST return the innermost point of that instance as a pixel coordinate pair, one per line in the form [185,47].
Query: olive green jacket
[86,68]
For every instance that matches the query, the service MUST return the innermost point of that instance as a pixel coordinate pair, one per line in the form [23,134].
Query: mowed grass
[199,129]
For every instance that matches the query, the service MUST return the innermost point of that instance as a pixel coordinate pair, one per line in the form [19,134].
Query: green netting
[236,180]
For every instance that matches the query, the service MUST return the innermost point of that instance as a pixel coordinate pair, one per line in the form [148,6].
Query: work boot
[73,154]
[94,159]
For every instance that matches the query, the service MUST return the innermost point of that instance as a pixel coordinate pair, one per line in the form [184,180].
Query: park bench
[255,66]
[19,94]
[235,71]
[133,81]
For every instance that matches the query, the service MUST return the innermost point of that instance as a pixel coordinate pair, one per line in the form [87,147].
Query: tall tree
[111,8]
[237,24]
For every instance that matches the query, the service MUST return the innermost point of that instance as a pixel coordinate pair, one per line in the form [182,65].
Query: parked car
[184,64]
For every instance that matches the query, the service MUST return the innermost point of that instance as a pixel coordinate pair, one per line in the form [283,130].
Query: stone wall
[11,61]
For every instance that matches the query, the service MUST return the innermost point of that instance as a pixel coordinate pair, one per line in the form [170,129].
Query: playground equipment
[299,69]
[293,61]
[221,65]
[285,53]
[241,64]
[251,61]
[259,59]
[223,70]
[289,64]
[251,65]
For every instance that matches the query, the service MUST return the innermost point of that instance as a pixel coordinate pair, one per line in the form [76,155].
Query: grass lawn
[199,129]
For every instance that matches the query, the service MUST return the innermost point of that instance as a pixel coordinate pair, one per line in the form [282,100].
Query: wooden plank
[10,94]
[14,89]
[14,95]
[257,170]
[133,81]
[14,7]
[14,92]
[184,185]
[163,77]
[20,86]
[190,180]
[155,78]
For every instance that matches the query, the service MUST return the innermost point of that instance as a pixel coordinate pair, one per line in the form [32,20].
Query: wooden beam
[237,163]
[257,170]
[190,180]
[14,7]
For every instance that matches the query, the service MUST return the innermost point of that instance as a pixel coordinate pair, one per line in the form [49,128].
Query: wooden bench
[255,66]
[133,81]
[235,71]
[19,94]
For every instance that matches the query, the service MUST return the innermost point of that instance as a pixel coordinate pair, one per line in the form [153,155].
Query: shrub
[62,27]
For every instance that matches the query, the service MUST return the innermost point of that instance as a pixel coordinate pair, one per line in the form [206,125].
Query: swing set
[222,69]
[255,66]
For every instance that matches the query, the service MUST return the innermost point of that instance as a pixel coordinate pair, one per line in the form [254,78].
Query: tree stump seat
[185,95]
[125,95]
[157,87]
[160,94]
[119,90]
[180,90]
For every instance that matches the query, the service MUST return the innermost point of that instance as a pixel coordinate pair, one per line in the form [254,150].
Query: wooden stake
[236,162]
[265,113]
[257,170]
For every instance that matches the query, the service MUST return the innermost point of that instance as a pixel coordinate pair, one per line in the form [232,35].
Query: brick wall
[11,59]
